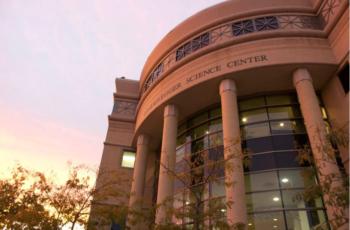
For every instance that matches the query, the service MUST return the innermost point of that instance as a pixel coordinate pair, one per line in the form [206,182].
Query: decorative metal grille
[243,27]
[266,23]
[193,45]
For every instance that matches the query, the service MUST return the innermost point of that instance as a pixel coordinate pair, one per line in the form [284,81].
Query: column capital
[301,74]
[227,85]
[142,139]
[170,110]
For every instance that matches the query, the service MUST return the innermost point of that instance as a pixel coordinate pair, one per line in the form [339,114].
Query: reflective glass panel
[281,99]
[299,178]
[256,130]
[284,112]
[180,153]
[253,116]
[181,140]
[305,220]
[266,221]
[294,199]
[286,127]
[251,103]
[128,159]
[257,145]
[215,139]
[288,142]
[287,159]
[217,188]
[263,201]
[261,181]
[215,125]
[198,119]
[215,112]
[200,131]
[260,162]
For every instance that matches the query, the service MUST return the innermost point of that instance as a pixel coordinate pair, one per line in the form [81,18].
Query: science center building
[250,79]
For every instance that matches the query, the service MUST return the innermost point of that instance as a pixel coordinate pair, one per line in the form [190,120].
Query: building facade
[256,80]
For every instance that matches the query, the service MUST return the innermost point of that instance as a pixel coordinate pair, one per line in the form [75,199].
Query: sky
[58,63]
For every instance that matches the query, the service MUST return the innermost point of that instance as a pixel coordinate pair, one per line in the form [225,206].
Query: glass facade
[272,131]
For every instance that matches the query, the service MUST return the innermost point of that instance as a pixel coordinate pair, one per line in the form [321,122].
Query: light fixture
[285,180]
[187,202]
[281,124]
[276,199]
[223,210]
[207,132]
[250,224]
[244,119]
[275,226]
[275,219]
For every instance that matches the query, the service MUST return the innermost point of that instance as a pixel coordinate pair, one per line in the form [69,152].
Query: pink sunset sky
[58,62]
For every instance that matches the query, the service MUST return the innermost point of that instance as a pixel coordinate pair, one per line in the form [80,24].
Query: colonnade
[234,175]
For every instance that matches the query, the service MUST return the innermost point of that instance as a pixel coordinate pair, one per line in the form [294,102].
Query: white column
[167,163]
[234,176]
[322,150]
[137,186]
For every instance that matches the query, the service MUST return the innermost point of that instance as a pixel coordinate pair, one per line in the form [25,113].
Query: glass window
[284,112]
[181,140]
[286,127]
[181,128]
[199,145]
[343,76]
[215,139]
[261,181]
[253,116]
[263,201]
[257,145]
[180,153]
[281,99]
[128,159]
[297,178]
[198,119]
[215,125]
[216,153]
[251,103]
[288,142]
[304,220]
[263,221]
[215,113]
[200,131]
[295,199]
[256,130]
[260,162]
[217,188]
[288,159]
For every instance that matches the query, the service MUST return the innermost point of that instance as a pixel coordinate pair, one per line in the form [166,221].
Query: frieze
[234,29]
[126,108]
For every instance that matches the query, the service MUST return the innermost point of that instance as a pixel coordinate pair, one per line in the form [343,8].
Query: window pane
[181,128]
[304,220]
[287,159]
[199,145]
[200,131]
[128,159]
[181,140]
[299,178]
[261,181]
[253,116]
[257,145]
[263,201]
[180,153]
[256,130]
[285,127]
[215,125]
[281,100]
[260,162]
[284,112]
[294,199]
[263,221]
[251,103]
[287,142]
[215,113]
[215,139]
[217,188]
[198,119]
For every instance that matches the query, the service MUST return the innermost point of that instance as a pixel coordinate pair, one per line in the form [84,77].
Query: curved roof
[214,15]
